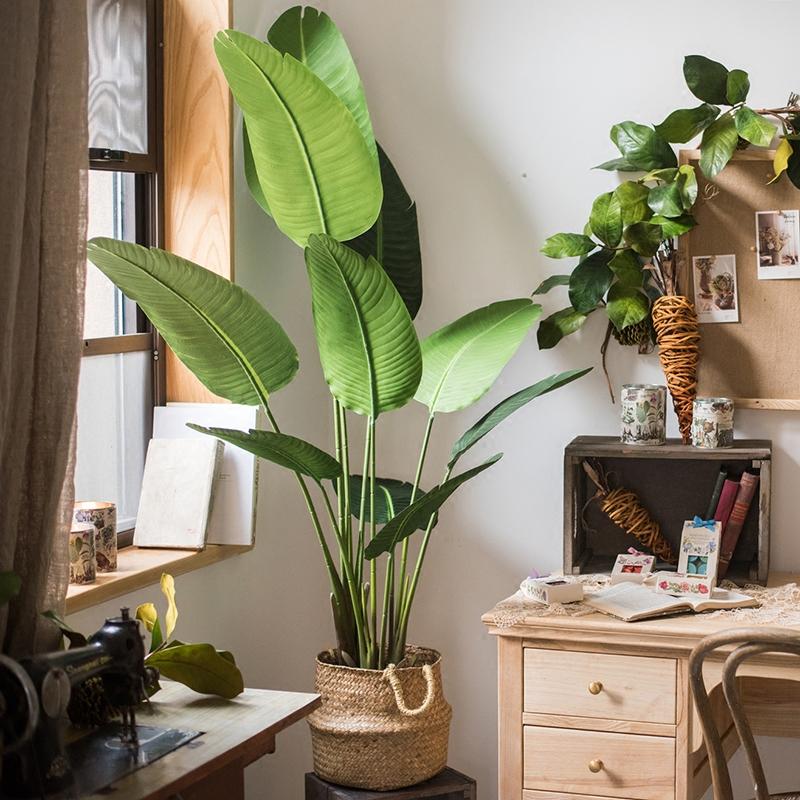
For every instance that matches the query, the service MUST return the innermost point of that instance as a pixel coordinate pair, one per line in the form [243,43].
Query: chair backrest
[740,644]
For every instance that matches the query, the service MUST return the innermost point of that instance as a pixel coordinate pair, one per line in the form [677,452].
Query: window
[121,376]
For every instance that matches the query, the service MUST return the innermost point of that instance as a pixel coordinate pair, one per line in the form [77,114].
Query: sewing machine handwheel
[19,706]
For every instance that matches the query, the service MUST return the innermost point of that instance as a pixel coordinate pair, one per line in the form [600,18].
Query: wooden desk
[601,708]
[237,732]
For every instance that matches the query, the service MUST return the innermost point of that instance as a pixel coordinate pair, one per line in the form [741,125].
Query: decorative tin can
[644,412]
[82,564]
[712,422]
[104,518]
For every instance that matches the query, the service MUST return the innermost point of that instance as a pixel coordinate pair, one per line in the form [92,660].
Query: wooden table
[236,733]
[599,707]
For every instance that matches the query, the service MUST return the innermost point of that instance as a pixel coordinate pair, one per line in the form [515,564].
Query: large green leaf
[590,281]
[632,197]
[644,238]
[461,361]
[754,128]
[504,409]
[718,145]
[200,667]
[367,343]
[279,448]
[220,331]
[674,227]
[688,183]
[567,245]
[606,219]
[391,497]
[554,328]
[738,86]
[626,306]
[684,124]
[706,79]
[642,146]
[420,511]
[550,283]
[311,37]
[316,171]
[666,199]
[618,165]
[394,238]
[250,174]
[627,268]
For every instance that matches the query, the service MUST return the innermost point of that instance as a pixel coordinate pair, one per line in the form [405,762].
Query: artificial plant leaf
[250,174]
[626,306]
[367,343]
[10,584]
[781,161]
[418,514]
[216,328]
[280,448]
[666,200]
[753,127]
[666,175]
[627,268]
[147,614]
[554,328]
[642,146]
[793,168]
[738,86]
[75,638]
[391,497]
[688,182]
[590,281]
[618,165]
[200,667]
[606,219]
[718,145]
[312,38]
[707,80]
[549,283]
[317,172]
[168,590]
[644,237]
[632,197]
[462,360]
[684,124]
[567,245]
[394,238]
[505,408]
[674,227]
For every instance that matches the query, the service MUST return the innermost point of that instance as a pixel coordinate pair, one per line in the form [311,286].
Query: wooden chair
[746,643]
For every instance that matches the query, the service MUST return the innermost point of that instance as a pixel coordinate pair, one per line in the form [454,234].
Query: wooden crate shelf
[674,482]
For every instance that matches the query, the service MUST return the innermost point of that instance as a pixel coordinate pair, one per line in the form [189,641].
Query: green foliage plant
[626,251]
[312,164]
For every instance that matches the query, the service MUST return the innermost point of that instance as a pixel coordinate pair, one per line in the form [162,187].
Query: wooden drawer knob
[595,687]
[595,765]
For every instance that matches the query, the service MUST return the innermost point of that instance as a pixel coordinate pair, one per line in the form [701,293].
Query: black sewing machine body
[34,694]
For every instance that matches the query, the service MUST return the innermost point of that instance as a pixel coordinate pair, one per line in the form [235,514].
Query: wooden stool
[447,785]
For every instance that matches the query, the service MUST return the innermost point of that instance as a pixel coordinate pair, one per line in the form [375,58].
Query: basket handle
[390,674]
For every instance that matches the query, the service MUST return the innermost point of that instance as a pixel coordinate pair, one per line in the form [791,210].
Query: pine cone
[88,706]
[639,334]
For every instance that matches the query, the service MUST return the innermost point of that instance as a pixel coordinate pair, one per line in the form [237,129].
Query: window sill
[139,567]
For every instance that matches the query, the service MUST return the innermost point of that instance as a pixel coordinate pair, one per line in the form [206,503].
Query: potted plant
[627,252]
[312,164]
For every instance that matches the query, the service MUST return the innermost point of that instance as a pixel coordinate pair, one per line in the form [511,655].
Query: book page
[630,601]
[721,598]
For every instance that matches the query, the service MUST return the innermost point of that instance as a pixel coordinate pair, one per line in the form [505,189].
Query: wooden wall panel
[198,154]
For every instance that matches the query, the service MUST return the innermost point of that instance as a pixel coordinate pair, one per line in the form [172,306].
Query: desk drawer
[600,685]
[628,765]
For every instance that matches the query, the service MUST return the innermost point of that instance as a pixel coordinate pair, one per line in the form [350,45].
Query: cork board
[752,360]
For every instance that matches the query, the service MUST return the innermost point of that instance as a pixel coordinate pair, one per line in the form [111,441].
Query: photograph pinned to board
[715,288]
[778,237]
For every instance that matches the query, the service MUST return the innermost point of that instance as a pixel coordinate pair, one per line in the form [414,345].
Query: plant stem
[346,523]
[362,508]
[373,566]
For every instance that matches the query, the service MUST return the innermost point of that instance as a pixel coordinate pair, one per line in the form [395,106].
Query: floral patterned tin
[104,518]
[712,422]
[82,564]
[643,414]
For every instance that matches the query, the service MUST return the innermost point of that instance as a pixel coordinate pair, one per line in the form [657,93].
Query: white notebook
[177,492]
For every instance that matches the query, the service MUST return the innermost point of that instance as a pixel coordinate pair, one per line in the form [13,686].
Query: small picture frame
[552,589]
[679,585]
[632,568]
[778,239]
[716,293]
[699,551]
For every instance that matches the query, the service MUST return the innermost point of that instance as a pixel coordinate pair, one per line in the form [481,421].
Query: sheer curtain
[43,160]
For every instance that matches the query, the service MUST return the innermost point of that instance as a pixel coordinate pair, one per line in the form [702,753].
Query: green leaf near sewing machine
[200,667]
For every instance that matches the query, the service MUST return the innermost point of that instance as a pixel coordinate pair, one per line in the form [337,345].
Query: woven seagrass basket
[381,729]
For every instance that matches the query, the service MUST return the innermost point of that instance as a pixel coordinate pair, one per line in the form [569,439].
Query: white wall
[493,112]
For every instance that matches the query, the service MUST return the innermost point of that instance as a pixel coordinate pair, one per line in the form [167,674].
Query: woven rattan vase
[381,729]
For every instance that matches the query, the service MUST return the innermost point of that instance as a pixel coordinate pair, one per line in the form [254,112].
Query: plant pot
[381,729]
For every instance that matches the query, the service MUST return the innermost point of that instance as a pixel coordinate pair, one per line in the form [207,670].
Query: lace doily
[779,605]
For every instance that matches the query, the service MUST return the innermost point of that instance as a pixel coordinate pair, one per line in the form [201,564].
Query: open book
[632,601]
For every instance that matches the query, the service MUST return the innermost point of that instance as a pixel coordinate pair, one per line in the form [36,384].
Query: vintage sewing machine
[34,693]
